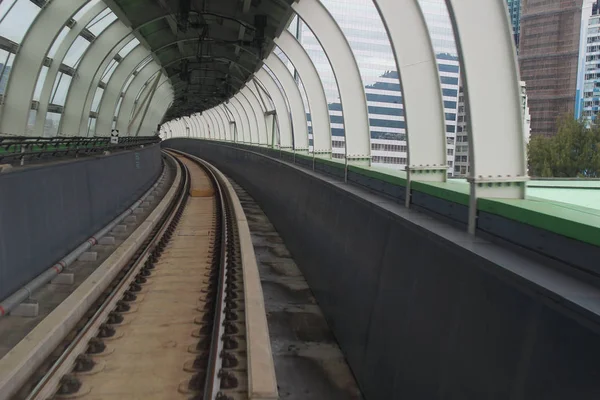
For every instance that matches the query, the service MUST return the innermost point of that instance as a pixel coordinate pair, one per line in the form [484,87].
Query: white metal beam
[134,88]
[59,56]
[115,85]
[225,121]
[315,93]
[292,92]
[251,115]
[214,123]
[492,99]
[93,59]
[243,123]
[259,114]
[222,127]
[283,114]
[28,63]
[421,91]
[347,75]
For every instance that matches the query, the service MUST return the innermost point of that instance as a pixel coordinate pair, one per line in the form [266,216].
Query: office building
[548,59]
[363,28]
[587,101]
[514,13]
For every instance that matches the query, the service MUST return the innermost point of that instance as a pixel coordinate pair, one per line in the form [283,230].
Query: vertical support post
[149,100]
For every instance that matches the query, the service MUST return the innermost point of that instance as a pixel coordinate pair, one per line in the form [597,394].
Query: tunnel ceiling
[207,48]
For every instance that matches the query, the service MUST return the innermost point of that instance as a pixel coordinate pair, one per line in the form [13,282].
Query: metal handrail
[19,148]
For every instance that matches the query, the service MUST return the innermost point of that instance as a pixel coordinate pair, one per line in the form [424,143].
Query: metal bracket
[358,157]
[498,181]
[420,169]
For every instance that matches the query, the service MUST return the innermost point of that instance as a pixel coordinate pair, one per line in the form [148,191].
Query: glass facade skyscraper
[514,13]
[368,39]
[587,101]
[549,46]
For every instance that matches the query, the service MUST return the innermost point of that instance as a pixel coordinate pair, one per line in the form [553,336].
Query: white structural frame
[237,118]
[36,44]
[266,106]
[251,115]
[128,102]
[214,132]
[232,122]
[53,70]
[281,109]
[244,121]
[347,75]
[217,122]
[496,150]
[258,112]
[225,122]
[294,97]
[93,59]
[112,93]
[319,112]
[421,91]
[271,103]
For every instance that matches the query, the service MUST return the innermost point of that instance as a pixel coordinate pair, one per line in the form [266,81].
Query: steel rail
[51,380]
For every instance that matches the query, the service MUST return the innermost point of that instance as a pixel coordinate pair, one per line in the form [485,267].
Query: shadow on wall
[48,210]
[417,316]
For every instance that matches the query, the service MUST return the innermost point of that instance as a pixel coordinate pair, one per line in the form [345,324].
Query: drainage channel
[308,361]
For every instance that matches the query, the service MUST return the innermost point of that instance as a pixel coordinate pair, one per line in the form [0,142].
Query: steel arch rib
[347,75]
[259,114]
[281,109]
[160,98]
[221,123]
[208,133]
[421,90]
[203,128]
[194,123]
[134,122]
[93,58]
[28,62]
[239,128]
[232,122]
[251,115]
[129,98]
[215,122]
[244,120]
[112,93]
[225,122]
[319,112]
[292,93]
[197,129]
[267,107]
[214,132]
[59,56]
[496,140]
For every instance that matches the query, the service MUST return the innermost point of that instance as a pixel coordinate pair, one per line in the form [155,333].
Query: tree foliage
[573,152]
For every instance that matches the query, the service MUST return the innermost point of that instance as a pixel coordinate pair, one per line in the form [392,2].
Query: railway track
[172,324]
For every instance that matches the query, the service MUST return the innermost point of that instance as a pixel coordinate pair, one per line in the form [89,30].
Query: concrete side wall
[417,315]
[48,210]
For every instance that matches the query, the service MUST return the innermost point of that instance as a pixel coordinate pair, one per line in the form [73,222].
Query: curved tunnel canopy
[208,49]
[206,68]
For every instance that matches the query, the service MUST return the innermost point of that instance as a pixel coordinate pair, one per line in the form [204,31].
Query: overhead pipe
[25,292]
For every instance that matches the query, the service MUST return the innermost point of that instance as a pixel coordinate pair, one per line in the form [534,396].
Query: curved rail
[56,378]
[83,320]
[151,248]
